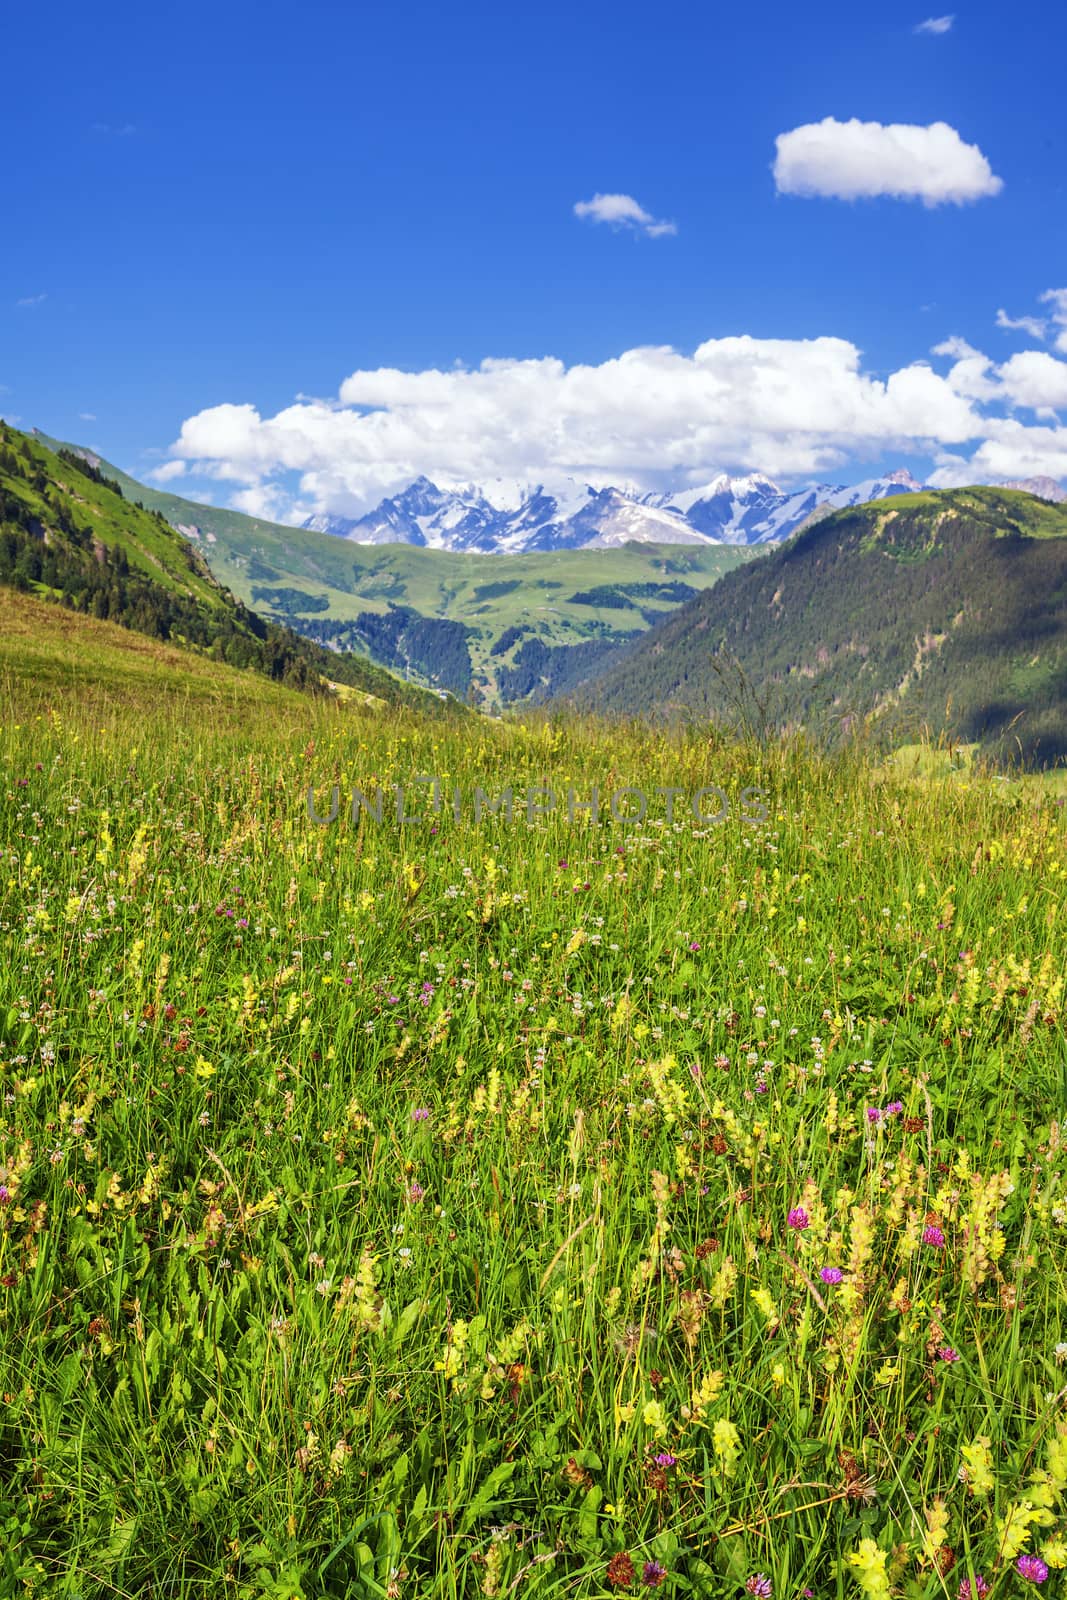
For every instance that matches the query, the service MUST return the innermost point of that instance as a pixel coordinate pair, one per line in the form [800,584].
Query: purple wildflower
[894,1108]
[420,1114]
[798,1218]
[1032,1568]
[5,1194]
[831,1274]
[975,1591]
[653,1574]
[947,1353]
[873,1114]
[934,1237]
[665,1459]
[759,1584]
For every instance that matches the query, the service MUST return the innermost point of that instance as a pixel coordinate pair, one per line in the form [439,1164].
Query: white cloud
[957,347]
[970,376]
[1031,379]
[167,472]
[1013,450]
[31,300]
[936,25]
[1057,299]
[855,160]
[262,500]
[654,416]
[87,416]
[1034,326]
[623,211]
[1036,380]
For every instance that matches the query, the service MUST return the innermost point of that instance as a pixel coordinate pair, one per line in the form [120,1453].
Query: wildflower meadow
[534,1207]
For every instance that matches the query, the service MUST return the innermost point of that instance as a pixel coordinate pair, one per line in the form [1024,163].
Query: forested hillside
[69,534]
[944,610]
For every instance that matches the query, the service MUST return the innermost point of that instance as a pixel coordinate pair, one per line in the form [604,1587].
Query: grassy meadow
[533,1207]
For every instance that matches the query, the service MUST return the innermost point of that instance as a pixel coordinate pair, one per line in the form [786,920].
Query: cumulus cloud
[971,374]
[1034,326]
[1031,379]
[261,500]
[623,211]
[1057,300]
[936,25]
[654,416]
[168,471]
[957,347]
[1013,450]
[1036,380]
[860,160]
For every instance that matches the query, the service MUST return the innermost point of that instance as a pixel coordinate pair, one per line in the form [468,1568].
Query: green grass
[50,657]
[381,1201]
[1040,519]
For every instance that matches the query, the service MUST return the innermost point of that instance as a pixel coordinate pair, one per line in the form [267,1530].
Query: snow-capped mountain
[753,510]
[1044,488]
[501,518]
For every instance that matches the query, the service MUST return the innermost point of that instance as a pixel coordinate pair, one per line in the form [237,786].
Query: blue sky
[231,206]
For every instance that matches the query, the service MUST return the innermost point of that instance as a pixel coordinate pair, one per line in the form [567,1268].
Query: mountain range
[512,519]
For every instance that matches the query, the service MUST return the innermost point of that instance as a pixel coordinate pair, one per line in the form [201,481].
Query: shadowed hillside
[944,610]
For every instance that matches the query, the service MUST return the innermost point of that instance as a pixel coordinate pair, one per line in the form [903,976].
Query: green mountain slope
[69,534]
[942,610]
[507,628]
[52,658]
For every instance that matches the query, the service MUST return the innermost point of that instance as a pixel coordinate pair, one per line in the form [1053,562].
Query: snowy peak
[1044,488]
[503,517]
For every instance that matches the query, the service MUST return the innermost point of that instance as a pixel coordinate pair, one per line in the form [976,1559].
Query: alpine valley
[504,595]
[499,594]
